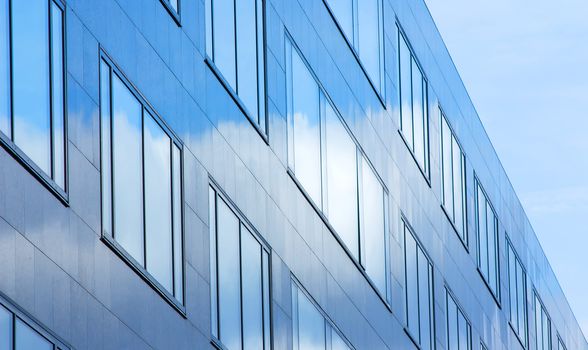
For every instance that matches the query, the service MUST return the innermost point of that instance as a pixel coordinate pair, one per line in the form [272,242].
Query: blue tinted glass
[463,329]
[337,343]
[4,70]
[369,37]
[30,64]
[405,90]
[212,210]
[208,20]
[128,169]
[223,22]
[247,53]
[418,115]
[229,277]
[410,251]
[306,133]
[342,181]
[447,168]
[58,102]
[105,171]
[174,5]
[177,210]
[492,250]
[311,325]
[252,291]
[457,186]
[158,202]
[343,13]
[452,330]
[5,329]
[512,286]
[28,339]
[374,227]
[424,292]
[482,234]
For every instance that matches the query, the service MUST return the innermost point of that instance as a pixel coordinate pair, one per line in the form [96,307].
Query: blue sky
[525,65]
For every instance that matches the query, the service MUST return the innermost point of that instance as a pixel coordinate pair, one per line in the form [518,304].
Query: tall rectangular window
[517,283]
[235,45]
[418,279]
[453,179]
[414,116]
[141,184]
[312,330]
[487,228]
[18,332]
[542,326]
[239,272]
[560,344]
[459,329]
[325,161]
[362,23]
[32,85]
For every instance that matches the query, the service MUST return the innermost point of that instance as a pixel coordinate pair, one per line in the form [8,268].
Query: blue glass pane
[229,277]
[105,170]
[158,202]
[369,38]
[311,325]
[405,90]
[452,330]
[128,169]
[247,54]
[212,210]
[337,343]
[4,70]
[58,101]
[5,329]
[178,237]
[30,64]
[463,329]
[223,32]
[412,316]
[343,13]
[306,133]
[28,339]
[457,185]
[447,168]
[482,232]
[342,181]
[252,291]
[418,114]
[424,293]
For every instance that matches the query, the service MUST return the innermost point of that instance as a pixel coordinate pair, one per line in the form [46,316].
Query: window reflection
[517,282]
[5,123]
[542,326]
[26,338]
[5,329]
[459,329]
[487,227]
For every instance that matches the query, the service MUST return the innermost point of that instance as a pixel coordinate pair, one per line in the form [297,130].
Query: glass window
[173,5]
[542,326]
[326,162]
[453,182]
[487,227]
[374,227]
[312,331]
[26,338]
[419,291]
[341,154]
[240,271]
[517,282]
[141,183]
[560,344]
[362,24]
[414,120]
[459,329]
[5,329]
[235,45]
[32,104]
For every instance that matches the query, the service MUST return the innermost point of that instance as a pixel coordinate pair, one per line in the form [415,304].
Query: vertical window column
[459,329]
[517,281]
[542,326]
[487,228]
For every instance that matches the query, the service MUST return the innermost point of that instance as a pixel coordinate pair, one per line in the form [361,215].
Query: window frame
[380,91]
[425,169]
[560,343]
[408,229]
[107,237]
[262,97]
[449,294]
[495,294]
[538,302]
[325,99]
[176,15]
[19,313]
[219,194]
[6,141]
[463,233]
[329,324]
[522,338]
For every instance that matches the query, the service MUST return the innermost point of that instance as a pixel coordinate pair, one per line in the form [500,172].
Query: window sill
[517,335]
[379,94]
[34,170]
[463,242]
[146,276]
[339,240]
[494,296]
[225,84]
[175,15]
[423,172]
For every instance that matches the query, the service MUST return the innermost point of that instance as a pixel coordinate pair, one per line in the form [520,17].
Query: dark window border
[243,220]
[16,152]
[379,91]
[107,237]
[361,156]
[29,320]
[425,169]
[175,15]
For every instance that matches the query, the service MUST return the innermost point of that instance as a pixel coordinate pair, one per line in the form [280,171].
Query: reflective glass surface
[411,280]
[177,223]
[58,100]
[251,271]
[247,53]
[158,202]
[223,30]
[128,169]
[30,71]
[28,339]
[5,123]
[106,161]
[405,89]
[343,13]
[341,154]
[311,325]
[5,329]
[368,15]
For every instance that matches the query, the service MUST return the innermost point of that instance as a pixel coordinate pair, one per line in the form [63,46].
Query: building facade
[260,174]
